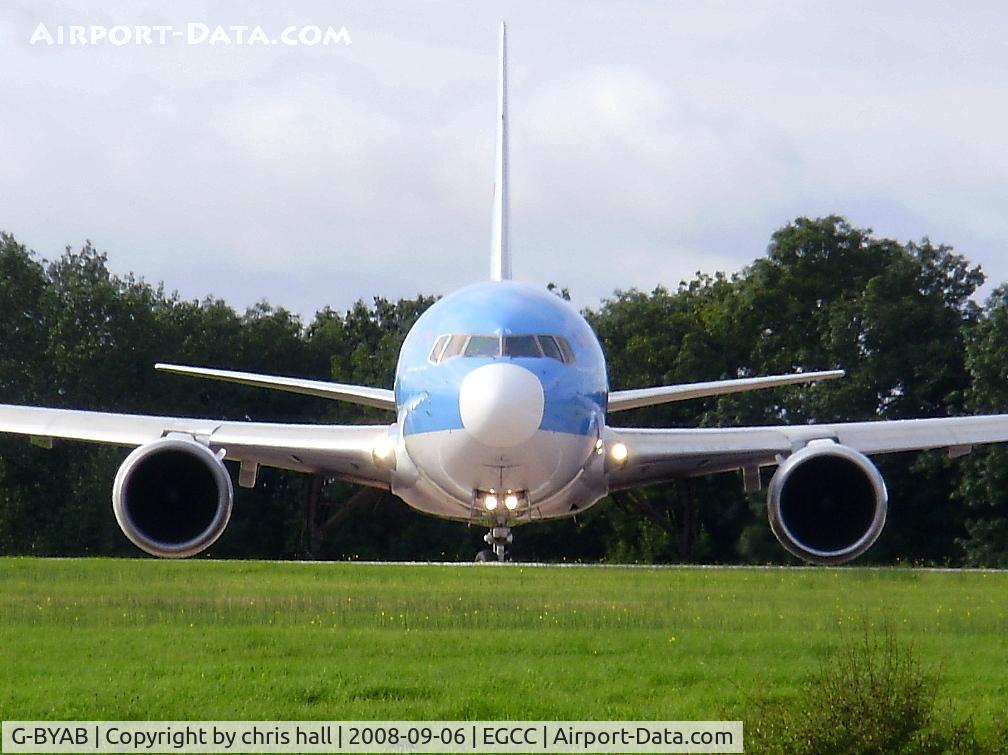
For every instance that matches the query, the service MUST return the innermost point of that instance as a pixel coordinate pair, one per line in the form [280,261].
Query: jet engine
[172,497]
[827,503]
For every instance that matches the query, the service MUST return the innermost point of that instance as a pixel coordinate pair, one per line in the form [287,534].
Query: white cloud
[647,143]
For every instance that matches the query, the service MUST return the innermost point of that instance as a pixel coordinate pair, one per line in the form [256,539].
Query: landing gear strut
[499,539]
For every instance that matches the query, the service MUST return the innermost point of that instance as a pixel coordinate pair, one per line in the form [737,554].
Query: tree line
[900,318]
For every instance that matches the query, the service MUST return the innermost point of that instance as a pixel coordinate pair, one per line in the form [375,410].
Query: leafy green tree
[93,329]
[983,489]
[25,309]
[100,348]
[665,338]
[825,295]
[894,317]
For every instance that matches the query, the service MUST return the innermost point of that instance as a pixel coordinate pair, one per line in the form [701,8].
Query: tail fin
[500,260]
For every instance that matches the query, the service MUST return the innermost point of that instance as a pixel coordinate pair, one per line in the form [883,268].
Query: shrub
[871,697]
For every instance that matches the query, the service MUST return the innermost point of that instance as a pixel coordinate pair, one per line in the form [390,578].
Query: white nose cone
[501,404]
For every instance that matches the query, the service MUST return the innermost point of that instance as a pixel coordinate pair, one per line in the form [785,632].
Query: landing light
[511,501]
[490,502]
[618,452]
[383,453]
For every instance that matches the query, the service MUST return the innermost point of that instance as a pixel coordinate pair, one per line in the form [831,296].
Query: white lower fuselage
[552,475]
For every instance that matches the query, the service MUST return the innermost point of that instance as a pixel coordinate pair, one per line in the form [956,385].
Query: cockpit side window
[521,346]
[439,344]
[550,348]
[565,349]
[454,346]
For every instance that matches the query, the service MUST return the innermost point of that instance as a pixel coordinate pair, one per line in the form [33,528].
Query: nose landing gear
[499,539]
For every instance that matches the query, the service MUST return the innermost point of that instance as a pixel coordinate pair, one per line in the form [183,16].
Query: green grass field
[145,639]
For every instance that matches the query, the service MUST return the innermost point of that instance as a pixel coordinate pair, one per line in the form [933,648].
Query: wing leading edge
[379,398]
[634,399]
[345,452]
[660,455]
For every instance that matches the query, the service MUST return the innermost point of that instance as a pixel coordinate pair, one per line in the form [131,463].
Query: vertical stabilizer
[500,260]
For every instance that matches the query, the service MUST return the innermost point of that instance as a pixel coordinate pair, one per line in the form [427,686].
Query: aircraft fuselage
[501,393]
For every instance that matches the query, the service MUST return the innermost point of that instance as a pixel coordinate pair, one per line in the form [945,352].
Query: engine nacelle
[172,497]
[827,503]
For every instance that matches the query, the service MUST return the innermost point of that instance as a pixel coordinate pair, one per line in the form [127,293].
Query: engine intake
[827,503]
[172,497]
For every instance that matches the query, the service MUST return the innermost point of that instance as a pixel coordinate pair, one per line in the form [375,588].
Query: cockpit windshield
[449,346]
[522,346]
[483,346]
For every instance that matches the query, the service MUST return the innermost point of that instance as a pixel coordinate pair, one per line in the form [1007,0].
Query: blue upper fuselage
[575,390]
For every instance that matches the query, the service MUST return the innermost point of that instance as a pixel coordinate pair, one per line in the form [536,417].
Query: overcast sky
[649,140]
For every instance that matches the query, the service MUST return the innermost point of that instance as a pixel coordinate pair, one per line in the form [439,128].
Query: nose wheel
[499,539]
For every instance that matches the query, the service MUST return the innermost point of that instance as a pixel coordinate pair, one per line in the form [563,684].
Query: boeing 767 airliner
[501,407]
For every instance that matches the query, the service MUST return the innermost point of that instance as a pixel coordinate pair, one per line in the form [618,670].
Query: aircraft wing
[342,451]
[633,399]
[380,398]
[659,455]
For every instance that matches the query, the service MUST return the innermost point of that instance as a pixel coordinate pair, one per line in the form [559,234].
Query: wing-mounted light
[383,452]
[617,455]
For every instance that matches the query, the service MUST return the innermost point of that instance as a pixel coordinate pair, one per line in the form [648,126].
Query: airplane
[502,407]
